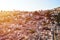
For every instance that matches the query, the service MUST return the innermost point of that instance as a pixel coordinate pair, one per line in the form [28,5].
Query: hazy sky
[28,4]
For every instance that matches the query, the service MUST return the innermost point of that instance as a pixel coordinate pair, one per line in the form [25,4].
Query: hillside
[24,25]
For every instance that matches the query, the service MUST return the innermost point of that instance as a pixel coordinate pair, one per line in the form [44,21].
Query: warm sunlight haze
[29,19]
